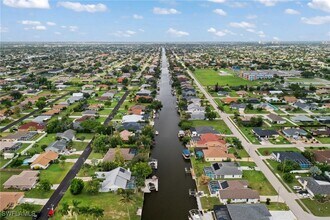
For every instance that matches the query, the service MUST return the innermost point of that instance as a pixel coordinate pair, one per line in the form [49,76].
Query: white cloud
[39,28]
[269,3]
[73,28]
[78,7]
[57,33]
[242,24]
[251,17]
[220,33]
[135,16]
[141,30]
[3,29]
[177,33]
[318,20]
[49,23]
[127,33]
[29,22]
[165,11]
[217,1]
[328,34]
[220,12]
[42,4]
[323,5]
[276,39]
[261,34]
[237,4]
[290,11]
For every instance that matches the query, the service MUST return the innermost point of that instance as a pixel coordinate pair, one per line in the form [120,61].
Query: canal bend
[172,201]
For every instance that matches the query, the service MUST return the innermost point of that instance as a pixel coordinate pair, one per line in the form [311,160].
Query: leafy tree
[64,210]
[76,187]
[115,141]
[90,125]
[16,95]
[40,104]
[315,171]
[287,166]
[75,208]
[141,170]
[119,159]
[127,199]
[268,201]
[92,187]
[101,143]
[45,185]
[211,115]
[108,165]
[288,177]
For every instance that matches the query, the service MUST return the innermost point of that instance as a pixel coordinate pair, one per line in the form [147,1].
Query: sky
[165,20]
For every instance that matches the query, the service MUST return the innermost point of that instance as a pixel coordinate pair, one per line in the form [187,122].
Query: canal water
[172,201]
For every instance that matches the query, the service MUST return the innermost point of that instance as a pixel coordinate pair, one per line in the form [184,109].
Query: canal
[172,201]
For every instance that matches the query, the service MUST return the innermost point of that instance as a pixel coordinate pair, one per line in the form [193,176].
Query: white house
[115,179]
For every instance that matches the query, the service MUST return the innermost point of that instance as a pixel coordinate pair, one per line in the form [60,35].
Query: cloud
[165,11]
[57,33]
[251,17]
[177,33]
[238,4]
[73,28]
[290,11]
[276,39]
[219,33]
[78,7]
[141,30]
[3,29]
[318,20]
[49,23]
[323,5]
[217,1]
[127,33]
[37,28]
[29,22]
[220,12]
[135,16]
[242,24]
[269,3]
[42,4]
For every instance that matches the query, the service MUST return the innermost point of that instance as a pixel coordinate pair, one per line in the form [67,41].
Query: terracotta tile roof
[216,152]
[290,99]
[31,126]
[9,199]
[45,158]
[229,100]
[125,152]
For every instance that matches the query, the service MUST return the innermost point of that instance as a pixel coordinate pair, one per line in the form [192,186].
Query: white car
[297,187]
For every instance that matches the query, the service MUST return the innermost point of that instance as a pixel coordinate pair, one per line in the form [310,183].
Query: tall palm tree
[64,209]
[127,199]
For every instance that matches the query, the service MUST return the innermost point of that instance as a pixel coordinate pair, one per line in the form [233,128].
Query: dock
[150,185]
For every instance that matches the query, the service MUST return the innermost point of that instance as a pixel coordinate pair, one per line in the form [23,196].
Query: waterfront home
[27,179]
[127,153]
[118,178]
[282,156]
[217,154]
[132,118]
[242,211]
[208,140]
[9,200]
[223,170]
[44,160]
[198,131]
[136,110]
[125,134]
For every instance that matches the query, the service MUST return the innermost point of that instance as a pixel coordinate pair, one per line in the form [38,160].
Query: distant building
[256,75]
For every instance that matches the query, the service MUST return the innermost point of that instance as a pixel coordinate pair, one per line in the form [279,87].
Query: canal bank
[172,201]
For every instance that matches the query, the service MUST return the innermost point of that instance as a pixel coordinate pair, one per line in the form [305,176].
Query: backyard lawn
[218,125]
[87,136]
[110,202]
[317,208]
[209,202]
[210,77]
[259,182]
[268,151]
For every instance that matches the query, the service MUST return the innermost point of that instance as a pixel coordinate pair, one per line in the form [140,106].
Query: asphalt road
[30,114]
[64,185]
[288,197]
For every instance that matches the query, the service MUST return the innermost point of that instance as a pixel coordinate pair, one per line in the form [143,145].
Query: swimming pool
[214,186]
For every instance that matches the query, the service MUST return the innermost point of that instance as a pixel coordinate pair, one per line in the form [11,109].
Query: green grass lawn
[210,77]
[36,193]
[25,145]
[268,151]
[18,209]
[279,140]
[49,138]
[105,112]
[255,111]
[324,140]
[218,125]
[3,161]
[55,173]
[87,136]
[259,182]
[247,163]
[79,145]
[209,202]
[110,202]
[247,131]
[198,166]
[241,152]
[277,206]
[317,208]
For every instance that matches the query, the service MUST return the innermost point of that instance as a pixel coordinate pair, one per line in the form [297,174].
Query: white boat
[156,132]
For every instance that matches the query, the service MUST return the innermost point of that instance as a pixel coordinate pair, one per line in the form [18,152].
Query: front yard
[259,182]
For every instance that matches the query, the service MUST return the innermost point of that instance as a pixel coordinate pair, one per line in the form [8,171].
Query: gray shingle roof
[248,211]
[317,186]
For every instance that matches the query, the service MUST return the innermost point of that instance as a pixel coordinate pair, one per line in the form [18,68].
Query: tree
[315,171]
[108,165]
[268,201]
[92,187]
[16,95]
[115,141]
[90,125]
[288,177]
[287,166]
[141,170]
[64,210]
[204,180]
[119,159]
[75,208]
[76,187]
[101,143]
[40,104]
[45,185]
[211,115]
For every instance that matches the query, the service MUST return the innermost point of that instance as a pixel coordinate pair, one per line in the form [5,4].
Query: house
[209,140]
[281,156]
[229,100]
[275,119]
[322,156]
[118,178]
[264,133]
[32,126]
[126,153]
[19,136]
[223,170]
[107,96]
[197,131]
[242,93]
[323,119]
[95,107]
[193,107]
[26,180]
[305,106]
[9,200]
[321,132]
[51,112]
[222,93]
[197,116]
[315,187]
[44,160]
[237,192]
[302,118]
[75,97]
[132,118]
[9,146]
[290,99]
[125,134]
[294,133]
[242,212]
[41,119]
[238,106]
[132,126]
[77,122]
[136,110]
[216,154]
[216,185]
[143,92]
[58,146]
[68,135]
[91,113]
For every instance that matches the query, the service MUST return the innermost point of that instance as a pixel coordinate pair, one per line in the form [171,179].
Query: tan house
[216,154]
[125,134]
[8,200]
[44,160]
[290,99]
[126,153]
[27,179]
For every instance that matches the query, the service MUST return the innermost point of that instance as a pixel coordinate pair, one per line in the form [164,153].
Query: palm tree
[75,208]
[127,199]
[64,209]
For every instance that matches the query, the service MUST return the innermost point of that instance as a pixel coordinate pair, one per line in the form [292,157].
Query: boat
[153,163]
[151,186]
[186,154]
[156,132]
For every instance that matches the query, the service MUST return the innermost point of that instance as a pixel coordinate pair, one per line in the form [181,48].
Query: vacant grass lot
[259,182]
[218,125]
[209,77]
[268,151]
[317,208]
[55,173]
[110,202]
